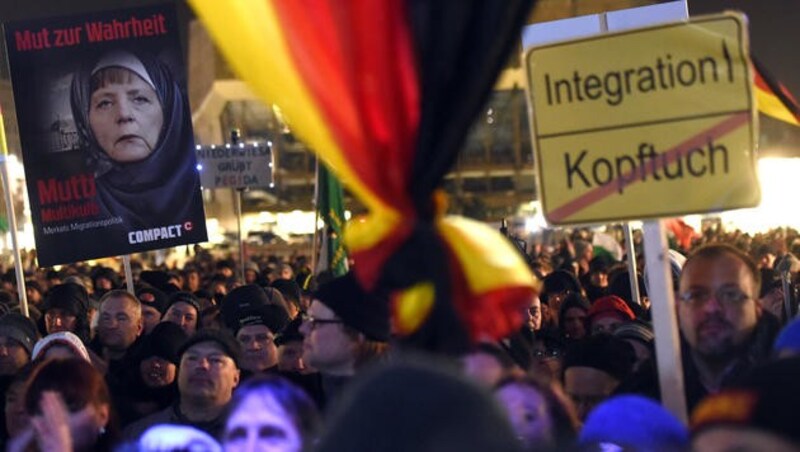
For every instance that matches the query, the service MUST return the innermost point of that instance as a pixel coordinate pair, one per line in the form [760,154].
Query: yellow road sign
[645,123]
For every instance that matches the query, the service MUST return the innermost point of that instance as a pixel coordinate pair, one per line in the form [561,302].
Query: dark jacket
[645,381]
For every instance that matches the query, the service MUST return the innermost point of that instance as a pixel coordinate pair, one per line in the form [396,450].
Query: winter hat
[19,328]
[164,342]
[765,400]
[157,279]
[252,266]
[291,333]
[636,423]
[70,297]
[272,316]
[603,352]
[610,305]
[364,313]
[150,296]
[289,289]
[224,339]
[636,330]
[184,297]
[246,303]
[64,338]
[788,339]
[417,406]
[559,281]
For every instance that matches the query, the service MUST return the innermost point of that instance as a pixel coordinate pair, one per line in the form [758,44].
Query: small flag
[330,204]
[773,98]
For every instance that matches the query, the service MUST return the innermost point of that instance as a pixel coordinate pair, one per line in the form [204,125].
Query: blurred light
[269,143]
[198,147]
[213,146]
[199,167]
[227,145]
[776,176]
[241,145]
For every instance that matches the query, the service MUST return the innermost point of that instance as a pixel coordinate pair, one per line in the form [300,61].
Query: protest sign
[106,134]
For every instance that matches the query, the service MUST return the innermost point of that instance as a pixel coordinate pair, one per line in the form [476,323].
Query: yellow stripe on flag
[249,34]
[488,259]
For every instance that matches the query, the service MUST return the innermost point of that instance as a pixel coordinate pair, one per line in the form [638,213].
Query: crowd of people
[281,359]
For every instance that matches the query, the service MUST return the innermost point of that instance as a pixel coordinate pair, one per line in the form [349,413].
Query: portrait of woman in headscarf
[134,124]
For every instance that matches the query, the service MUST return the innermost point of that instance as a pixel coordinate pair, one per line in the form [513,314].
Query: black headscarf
[153,188]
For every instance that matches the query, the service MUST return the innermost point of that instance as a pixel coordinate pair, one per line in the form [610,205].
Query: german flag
[773,98]
[384,91]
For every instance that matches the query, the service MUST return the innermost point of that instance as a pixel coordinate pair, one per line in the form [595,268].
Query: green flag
[330,204]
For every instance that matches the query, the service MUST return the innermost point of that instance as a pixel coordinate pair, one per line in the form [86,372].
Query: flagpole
[12,221]
[314,242]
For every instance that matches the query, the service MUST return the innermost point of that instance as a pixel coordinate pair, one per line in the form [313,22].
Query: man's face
[535,314]
[258,343]
[574,323]
[717,311]
[207,372]
[183,315]
[13,356]
[56,320]
[193,281]
[150,318]
[588,387]
[120,323]
[326,346]
[290,357]
[126,119]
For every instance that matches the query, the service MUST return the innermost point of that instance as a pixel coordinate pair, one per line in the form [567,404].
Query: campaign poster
[106,133]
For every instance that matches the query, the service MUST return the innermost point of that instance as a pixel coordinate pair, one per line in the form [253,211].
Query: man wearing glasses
[725,330]
[725,333]
[344,329]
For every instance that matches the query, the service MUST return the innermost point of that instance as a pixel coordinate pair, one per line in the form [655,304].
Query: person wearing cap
[251,273]
[641,337]
[154,386]
[17,338]
[255,321]
[593,369]
[34,292]
[183,310]
[207,375]
[135,125]
[291,294]
[154,302]
[607,314]
[345,329]
[66,308]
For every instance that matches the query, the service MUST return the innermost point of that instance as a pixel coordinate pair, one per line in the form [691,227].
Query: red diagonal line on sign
[598,194]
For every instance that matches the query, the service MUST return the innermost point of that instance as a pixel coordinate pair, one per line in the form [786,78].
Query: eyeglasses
[726,296]
[542,354]
[314,321]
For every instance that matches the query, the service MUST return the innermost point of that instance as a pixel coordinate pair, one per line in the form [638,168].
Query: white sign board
[235,165]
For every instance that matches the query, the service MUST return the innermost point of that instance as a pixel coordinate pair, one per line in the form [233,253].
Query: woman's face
[157,372]
[126,119]
[260,423]
[527,410]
